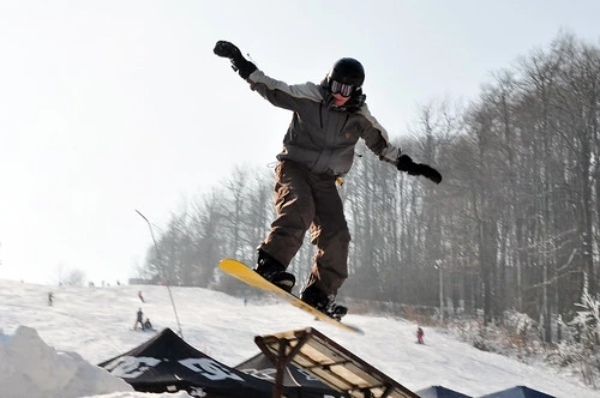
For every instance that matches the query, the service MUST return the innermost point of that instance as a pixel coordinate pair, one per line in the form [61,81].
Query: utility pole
[440,268]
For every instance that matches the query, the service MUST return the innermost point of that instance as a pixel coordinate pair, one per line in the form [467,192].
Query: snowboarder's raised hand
[240,64]
[405,163]
[229,50]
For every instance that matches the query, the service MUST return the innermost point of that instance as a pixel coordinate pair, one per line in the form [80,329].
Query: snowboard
[245,274]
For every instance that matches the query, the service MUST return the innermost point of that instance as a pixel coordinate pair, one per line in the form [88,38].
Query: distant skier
[420,335]
[50,299]
[139,320]
[141,296]
[328,120]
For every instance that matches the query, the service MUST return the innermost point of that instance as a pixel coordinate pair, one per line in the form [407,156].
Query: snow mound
[31,368]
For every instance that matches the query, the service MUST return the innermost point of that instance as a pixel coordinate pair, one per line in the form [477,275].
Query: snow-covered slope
[97,324]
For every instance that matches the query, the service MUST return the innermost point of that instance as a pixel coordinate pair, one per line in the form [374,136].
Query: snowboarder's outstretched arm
[277,92]
[376,139]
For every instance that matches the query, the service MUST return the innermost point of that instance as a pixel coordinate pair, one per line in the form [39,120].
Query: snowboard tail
[245,274]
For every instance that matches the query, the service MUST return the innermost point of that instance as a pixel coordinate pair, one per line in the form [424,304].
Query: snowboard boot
[318,299]
[273,271]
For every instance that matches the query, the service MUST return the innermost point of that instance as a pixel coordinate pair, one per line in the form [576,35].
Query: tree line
[513,226]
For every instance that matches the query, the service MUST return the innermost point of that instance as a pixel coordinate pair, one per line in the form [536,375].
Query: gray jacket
[322,136]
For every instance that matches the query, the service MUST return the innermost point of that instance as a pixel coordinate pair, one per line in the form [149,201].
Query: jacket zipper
[344,125]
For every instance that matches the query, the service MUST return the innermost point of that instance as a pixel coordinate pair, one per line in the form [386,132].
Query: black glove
[240,64]
[229,50]
[405,163]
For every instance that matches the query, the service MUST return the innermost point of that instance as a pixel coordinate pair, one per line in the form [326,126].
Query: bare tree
[74,277]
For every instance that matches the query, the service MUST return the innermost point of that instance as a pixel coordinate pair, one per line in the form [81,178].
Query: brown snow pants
[305,200]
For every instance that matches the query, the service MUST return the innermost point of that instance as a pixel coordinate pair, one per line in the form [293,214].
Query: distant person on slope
[328,120]
[148,324]
[139,320]
[420,335]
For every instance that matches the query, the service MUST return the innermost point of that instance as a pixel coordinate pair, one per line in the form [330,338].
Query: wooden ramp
[333,364]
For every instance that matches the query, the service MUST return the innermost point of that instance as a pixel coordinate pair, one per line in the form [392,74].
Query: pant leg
[330,233]
[295,210]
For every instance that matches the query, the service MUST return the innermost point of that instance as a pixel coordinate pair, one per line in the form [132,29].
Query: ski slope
[96,323]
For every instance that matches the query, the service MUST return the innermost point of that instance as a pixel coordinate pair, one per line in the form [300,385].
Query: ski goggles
[344,89]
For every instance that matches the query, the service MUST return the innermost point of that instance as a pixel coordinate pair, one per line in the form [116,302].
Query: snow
[51,351]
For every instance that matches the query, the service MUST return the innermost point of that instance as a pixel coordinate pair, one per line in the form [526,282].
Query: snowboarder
[420,335]
[139,320]
[328,119]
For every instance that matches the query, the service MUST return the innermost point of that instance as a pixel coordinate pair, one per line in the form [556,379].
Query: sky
[111,106]
[51,352]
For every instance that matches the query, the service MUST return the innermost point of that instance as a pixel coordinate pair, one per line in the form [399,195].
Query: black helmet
[348,71]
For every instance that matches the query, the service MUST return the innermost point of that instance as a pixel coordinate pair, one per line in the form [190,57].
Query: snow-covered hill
[96,323]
